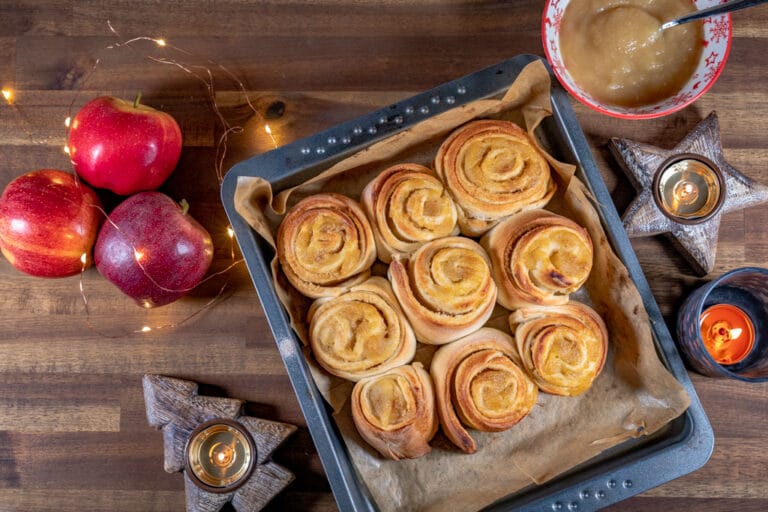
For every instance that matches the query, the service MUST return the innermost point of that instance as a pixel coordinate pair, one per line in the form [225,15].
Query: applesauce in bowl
[613,56]
[616,50]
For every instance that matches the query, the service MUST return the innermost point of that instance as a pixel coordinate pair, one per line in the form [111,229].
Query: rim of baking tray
[690,444]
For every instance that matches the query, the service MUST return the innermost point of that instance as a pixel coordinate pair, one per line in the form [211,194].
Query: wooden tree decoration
[174,406]
[697,242]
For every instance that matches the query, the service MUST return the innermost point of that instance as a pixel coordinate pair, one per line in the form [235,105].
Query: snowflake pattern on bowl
[716,46]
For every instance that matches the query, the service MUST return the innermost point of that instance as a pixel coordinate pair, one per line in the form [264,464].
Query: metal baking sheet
[681,447]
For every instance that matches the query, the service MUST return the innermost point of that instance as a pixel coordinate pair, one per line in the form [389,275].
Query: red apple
[48,221]
[122,146]
[152,249]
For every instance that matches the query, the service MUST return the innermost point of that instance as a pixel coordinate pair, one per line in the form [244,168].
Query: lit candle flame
[138,255]
[160,42]
[727,333]
[8,95]
[685,192]
[67,121]
[223,455]
[230,232]
[66,149]
[84,258]
[267,129]
[146,328]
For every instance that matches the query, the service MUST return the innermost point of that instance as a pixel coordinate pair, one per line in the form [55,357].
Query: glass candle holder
[721,328]
[220,455]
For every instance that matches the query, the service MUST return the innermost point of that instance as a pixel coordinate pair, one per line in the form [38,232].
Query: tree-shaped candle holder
[224,455]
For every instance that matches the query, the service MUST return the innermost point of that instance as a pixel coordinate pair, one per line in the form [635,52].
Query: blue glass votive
[745,288]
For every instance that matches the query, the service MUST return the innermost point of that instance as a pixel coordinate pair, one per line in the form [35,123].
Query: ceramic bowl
[716,45]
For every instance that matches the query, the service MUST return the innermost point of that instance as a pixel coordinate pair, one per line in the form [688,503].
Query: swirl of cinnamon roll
[538,257]
[395,411]
[492,170]
[325,244]
[361,332]
[445,289]
[407,206]
[478,383]
[563,348]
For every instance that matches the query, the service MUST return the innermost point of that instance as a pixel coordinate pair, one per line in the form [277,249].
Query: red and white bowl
[716,45]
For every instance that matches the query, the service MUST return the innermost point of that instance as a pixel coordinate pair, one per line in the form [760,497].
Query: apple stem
[137,100]
[184,206]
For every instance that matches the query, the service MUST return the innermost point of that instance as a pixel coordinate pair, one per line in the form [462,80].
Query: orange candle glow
[727,332]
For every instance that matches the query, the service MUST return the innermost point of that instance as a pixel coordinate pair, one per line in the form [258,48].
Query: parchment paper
[633,396]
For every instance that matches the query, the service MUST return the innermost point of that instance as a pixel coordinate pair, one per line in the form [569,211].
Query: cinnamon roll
[538,257]
[445,289]
[395,411]
[563,348]
[492,170]
[478,383]
[407,206]
[361,332]
[325,244]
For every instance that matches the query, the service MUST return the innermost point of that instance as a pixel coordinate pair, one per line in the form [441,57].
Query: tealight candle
[689,188]
[727,332]
[220,455]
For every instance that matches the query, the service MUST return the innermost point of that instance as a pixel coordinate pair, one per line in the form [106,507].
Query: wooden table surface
[73,432]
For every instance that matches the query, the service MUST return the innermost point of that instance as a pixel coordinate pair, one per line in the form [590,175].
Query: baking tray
[682,446]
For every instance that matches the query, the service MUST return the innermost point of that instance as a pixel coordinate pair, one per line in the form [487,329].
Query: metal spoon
[712,11]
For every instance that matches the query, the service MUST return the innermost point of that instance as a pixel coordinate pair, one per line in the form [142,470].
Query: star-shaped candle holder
[684,192]
[224,455]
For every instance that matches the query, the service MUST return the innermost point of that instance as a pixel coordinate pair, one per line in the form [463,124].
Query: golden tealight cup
[689,188]
[220,455]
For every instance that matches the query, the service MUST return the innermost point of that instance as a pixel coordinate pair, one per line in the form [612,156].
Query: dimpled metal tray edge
[628,469]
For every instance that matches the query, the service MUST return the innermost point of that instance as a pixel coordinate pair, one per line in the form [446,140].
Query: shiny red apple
[152,249]
[48,223]
[122,146]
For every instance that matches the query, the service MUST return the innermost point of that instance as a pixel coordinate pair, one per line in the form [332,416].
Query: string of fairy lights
[205,74]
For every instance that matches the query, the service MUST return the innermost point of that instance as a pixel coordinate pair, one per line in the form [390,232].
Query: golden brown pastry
[492,170]
[479,383]
[562,348]
[445,289]
[361,332]
[407,206]
[325,245]
[395,411]
[538,257]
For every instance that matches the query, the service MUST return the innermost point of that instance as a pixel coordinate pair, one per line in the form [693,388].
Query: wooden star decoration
[174,406]
[696,242]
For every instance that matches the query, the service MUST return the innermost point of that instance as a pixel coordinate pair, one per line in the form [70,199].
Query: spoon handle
[712,11]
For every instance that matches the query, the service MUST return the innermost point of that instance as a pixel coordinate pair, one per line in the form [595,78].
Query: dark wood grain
[73,432]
